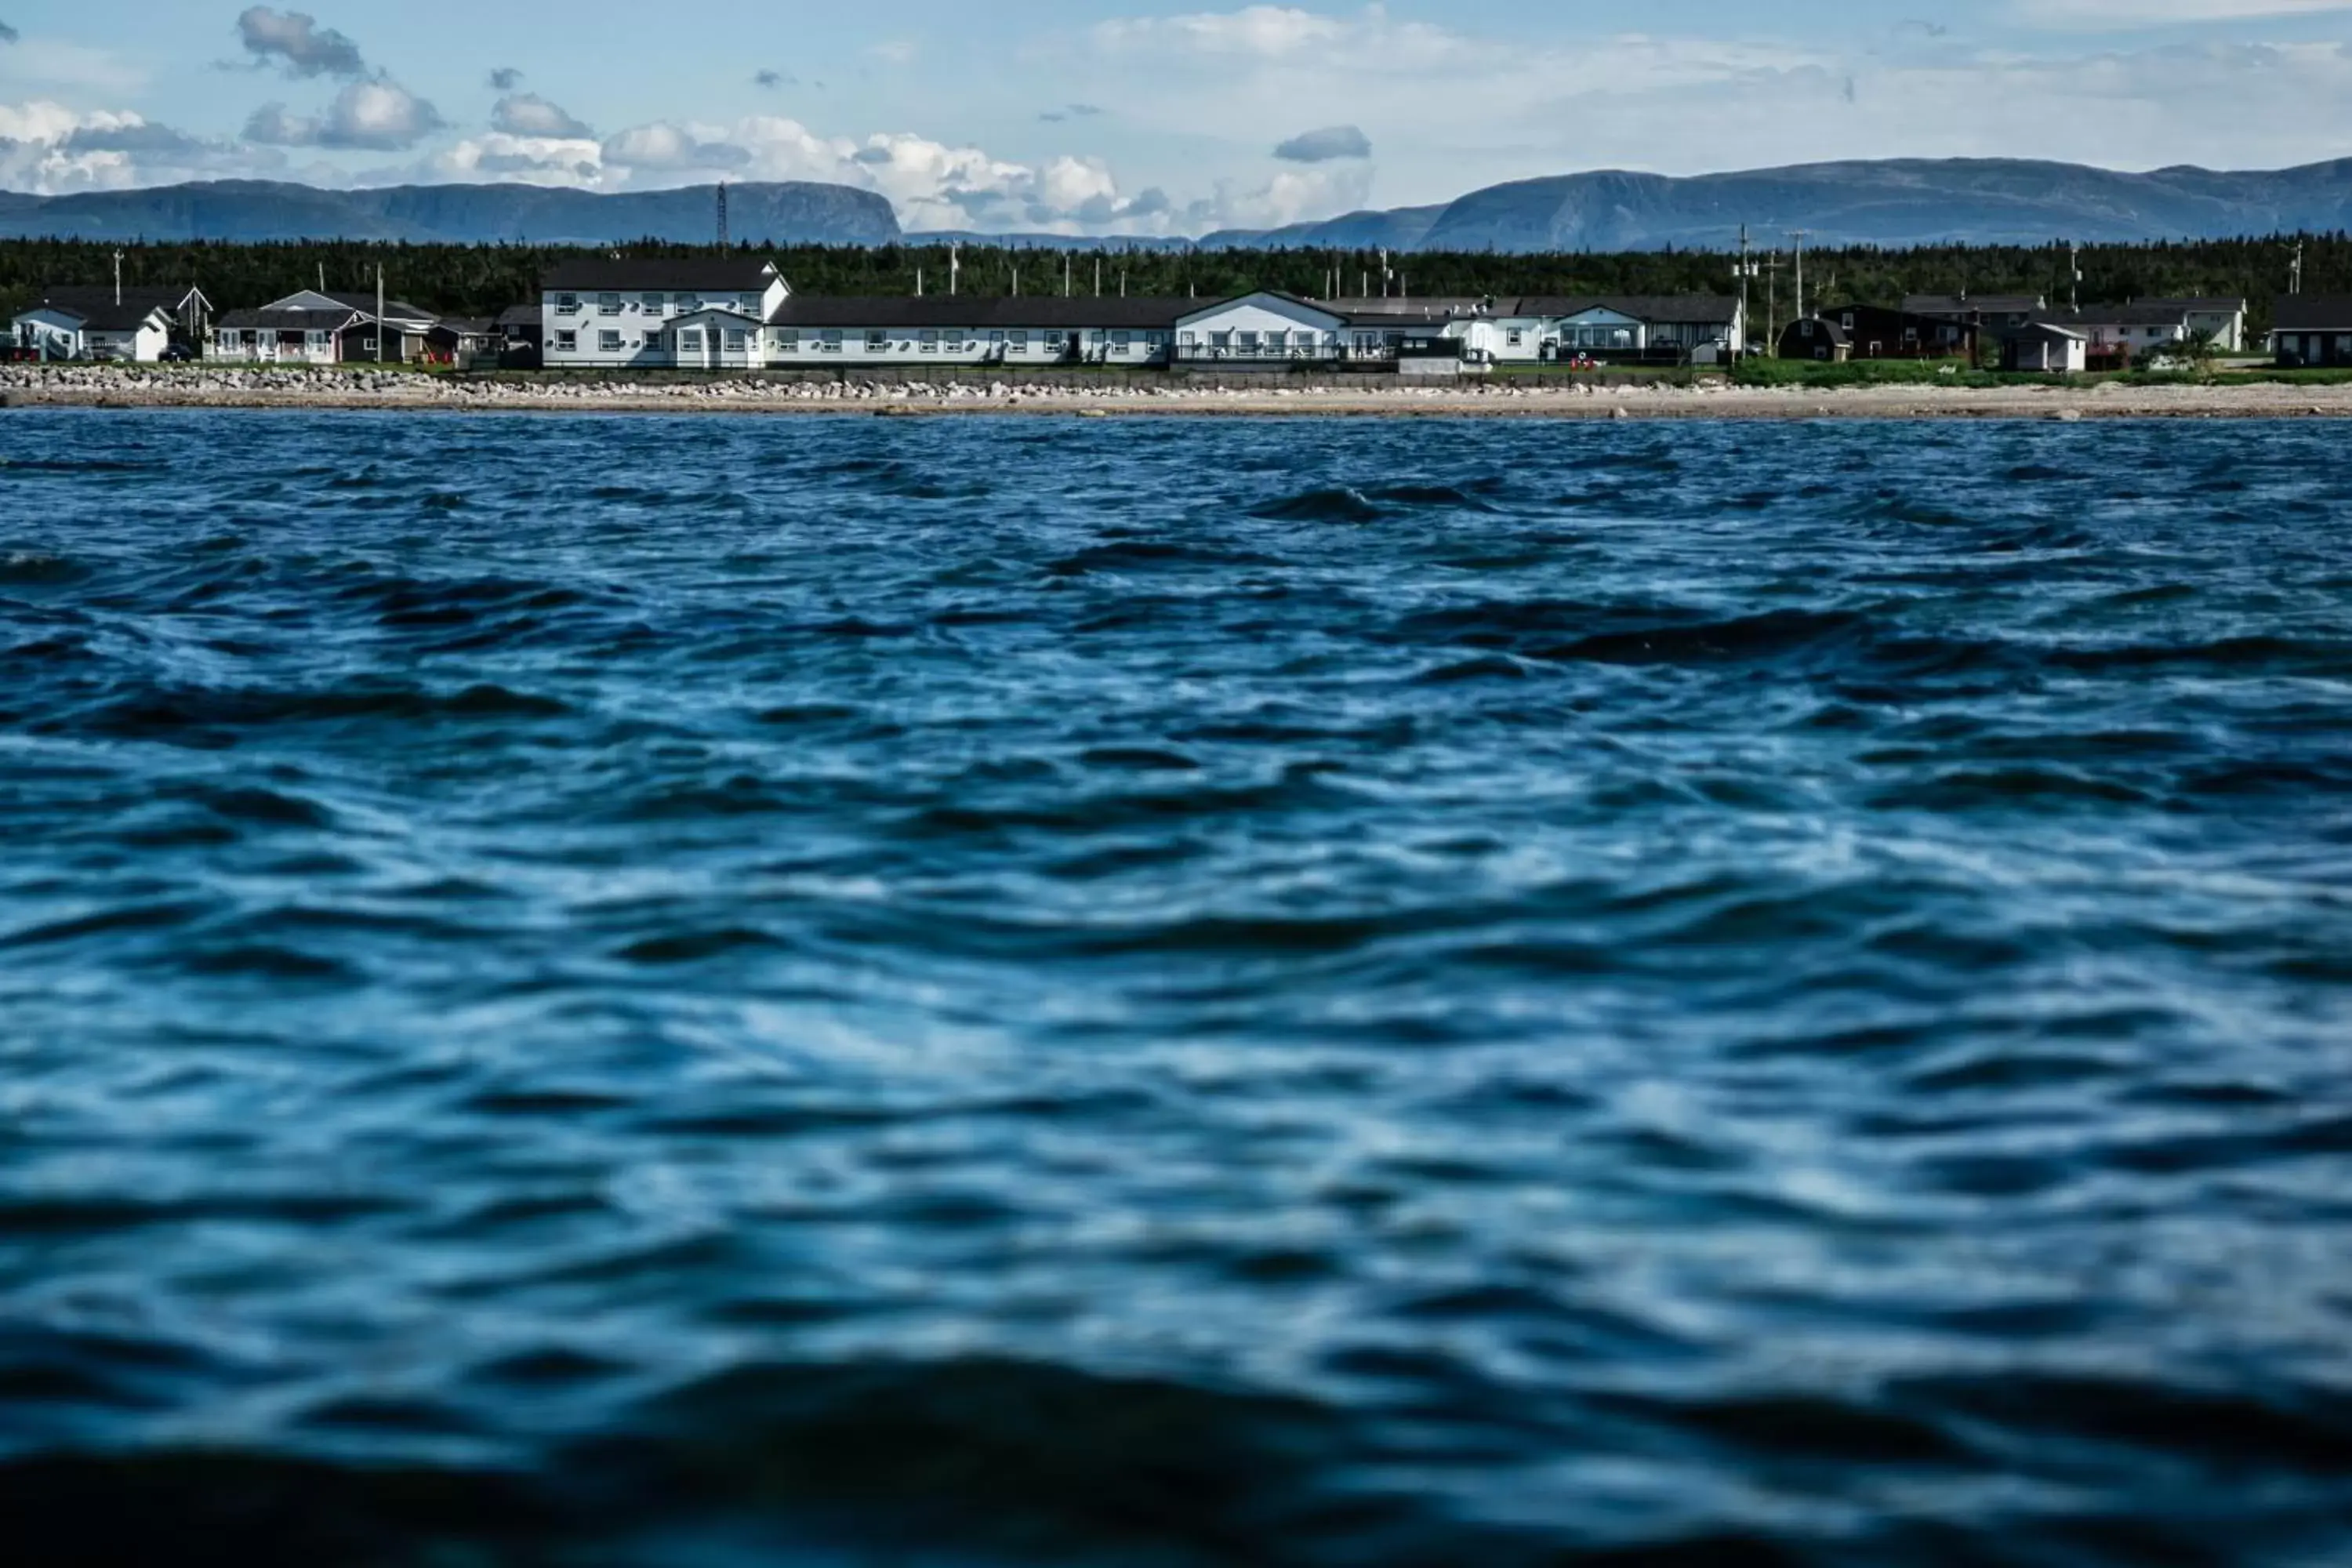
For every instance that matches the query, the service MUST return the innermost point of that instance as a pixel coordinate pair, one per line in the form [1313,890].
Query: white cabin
[129,325]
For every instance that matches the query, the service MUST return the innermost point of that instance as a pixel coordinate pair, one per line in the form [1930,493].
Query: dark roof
[515,316]
[1436,309]
[1702,309]
[1972,304]
[466,326]
[95,303]
[393,309]
[2041,329]
[1152,314]
[2144,314]
[2203,303]
[1822,329]
[2315,313]
[287,320]
[735,275]
[102,315]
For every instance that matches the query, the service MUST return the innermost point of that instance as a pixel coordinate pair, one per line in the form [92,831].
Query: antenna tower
[723,241]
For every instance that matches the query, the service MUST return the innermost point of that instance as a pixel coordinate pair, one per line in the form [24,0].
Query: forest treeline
[481,280]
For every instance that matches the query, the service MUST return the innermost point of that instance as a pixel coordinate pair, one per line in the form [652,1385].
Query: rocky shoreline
[104,386]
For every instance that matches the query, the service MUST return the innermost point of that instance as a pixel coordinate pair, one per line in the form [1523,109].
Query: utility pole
[118,280]
[2294,278]
[379,313]
[955,270]
[1772,305]
[1098,274]
[1801,236]
[1069,286]
[722,214]
[2073,280]
[1743,272]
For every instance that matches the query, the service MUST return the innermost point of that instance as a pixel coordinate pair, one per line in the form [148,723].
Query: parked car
[178,354]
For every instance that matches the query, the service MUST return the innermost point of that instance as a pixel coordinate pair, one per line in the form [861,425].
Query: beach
[1500,397]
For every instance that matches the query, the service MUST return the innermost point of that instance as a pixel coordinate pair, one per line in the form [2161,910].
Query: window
[654,304]
[833,339]
[367,345]
[567,304]
[319,340]
[1221,339]
[608,342]
[737,341]
[608,304]
[1123,341]
[877,343]
[788,340]
[931,342]
[1517,338]
[690,341]
[567,343]
[1245,342]
[654,342]
[1017,341]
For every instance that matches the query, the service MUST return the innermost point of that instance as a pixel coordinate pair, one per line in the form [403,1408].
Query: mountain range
[257,210]
[1891,202]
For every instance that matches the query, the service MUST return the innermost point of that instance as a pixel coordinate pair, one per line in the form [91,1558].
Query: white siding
[596,318]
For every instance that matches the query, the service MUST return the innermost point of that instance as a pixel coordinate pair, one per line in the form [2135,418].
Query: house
[1532,329]
[521,327]
[701,313]
[1697,329]
[2220,319]
[315,327]
[1873,332]
[463,339]
[104,322]
[2044,348]
[2312,330]
[2117,334]
[273,335]
[1815,337]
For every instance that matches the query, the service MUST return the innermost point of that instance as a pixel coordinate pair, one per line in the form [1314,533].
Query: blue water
[736,990]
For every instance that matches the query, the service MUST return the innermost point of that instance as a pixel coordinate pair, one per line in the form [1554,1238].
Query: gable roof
[681,274]
[2043,329]
[934,310]
[2315,313]
[1972,304]
[104,315]
[269,320]
[2201,304]
[2145,314]
[515,316]
[95,304]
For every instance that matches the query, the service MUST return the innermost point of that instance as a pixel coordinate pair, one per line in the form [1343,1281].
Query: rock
[2070,416]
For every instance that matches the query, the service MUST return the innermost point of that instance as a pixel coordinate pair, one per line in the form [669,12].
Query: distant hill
[253,210]
[1897,202]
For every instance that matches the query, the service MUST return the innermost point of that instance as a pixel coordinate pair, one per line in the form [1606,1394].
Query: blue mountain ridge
[1893,202]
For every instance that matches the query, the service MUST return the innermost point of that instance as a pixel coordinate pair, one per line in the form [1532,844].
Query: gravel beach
[223,387]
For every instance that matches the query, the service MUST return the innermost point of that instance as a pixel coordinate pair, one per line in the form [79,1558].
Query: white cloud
[49,149]
[2118,16]
[377,116]
[295,41]
[529,115]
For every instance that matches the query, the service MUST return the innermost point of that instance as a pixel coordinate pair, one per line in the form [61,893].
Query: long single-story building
[2312,330]
[2117,334]
[739,313]
[103,322]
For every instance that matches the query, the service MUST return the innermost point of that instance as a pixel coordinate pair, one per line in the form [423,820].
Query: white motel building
[742,314]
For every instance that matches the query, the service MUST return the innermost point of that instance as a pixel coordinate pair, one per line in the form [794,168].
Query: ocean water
[638,991]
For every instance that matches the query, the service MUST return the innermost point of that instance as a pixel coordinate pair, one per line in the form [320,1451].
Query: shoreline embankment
[1703,397]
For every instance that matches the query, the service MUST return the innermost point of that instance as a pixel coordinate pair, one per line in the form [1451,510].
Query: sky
[1127,118]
